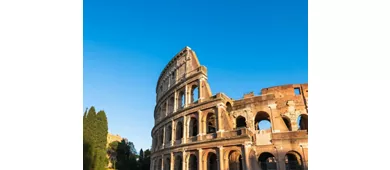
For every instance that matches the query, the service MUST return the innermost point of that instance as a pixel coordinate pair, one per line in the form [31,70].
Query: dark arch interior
[154,142]
[293,161]
[193,163]
[262,117]
[168,133]
[159,165]
[211,123]
[179,130]
[171,104]
[267,161]
[167,164]
[235,162]
[240,122]
[193,130]
[303,122]
[161,135]
[287,122]
[212,161]
[194,93]
[164,109]
[228,107]
[178,163]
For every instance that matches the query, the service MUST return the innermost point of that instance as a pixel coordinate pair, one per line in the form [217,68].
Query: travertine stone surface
[195,130]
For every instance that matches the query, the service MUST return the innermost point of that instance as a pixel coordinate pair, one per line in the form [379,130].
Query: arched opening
[181,99]
[179,130]
[171,105]
[193,162]
[164,109]
[235,162]
[212,161]
[267,161]
[159,164]
[178,163]
[161,113]
[211,123]
[194,93]
[303,122]
[168,134]
[287,122]
[240,122]
[228,107]
[161,136]
[154,142]
[293,161]
[173,76]
[262,121]
[193,129]
[167,164]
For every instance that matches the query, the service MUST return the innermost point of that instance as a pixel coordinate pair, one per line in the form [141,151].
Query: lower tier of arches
[233,158]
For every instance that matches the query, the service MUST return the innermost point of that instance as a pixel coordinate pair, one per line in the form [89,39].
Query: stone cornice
[238,140]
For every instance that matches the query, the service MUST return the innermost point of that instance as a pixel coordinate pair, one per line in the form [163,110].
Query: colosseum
[196,130]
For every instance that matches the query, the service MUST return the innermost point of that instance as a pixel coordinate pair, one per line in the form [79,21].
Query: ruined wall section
[291,101]
[298,93]
[283,104]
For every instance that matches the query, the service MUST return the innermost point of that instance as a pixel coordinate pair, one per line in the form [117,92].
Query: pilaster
[200,159]
[185,129]
[173,134]
[220,159]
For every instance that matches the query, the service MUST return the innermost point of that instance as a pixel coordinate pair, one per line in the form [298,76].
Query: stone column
[220,158]
[172,161]
[185,129]
[280,157]
[175,104]
[186,96]
[163,131]
[292,114]
[200,88]
[173,134]
[184,161]
[166,108]
[200,125]
[250,161]
[152,164]
[162,162]
[304,150]
[272,112]
[200,159]
[220,115]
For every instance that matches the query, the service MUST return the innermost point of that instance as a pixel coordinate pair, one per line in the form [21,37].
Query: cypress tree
[141,159]
[95,130]
[88,138]
[141,154]
[101,140]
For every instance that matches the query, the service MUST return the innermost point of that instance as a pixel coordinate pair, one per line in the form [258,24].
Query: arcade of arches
[196,129]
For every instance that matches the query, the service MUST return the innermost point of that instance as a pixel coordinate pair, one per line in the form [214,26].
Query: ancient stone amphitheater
[197,130]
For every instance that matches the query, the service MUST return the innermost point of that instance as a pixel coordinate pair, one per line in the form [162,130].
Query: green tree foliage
[122,154]
[127,156]
[95,129]
[111,151]
[145,163]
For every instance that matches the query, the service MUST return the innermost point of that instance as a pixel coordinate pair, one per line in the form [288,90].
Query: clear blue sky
[246,46]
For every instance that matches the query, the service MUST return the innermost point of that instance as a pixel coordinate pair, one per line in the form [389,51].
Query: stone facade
[195,130]
[112,138]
